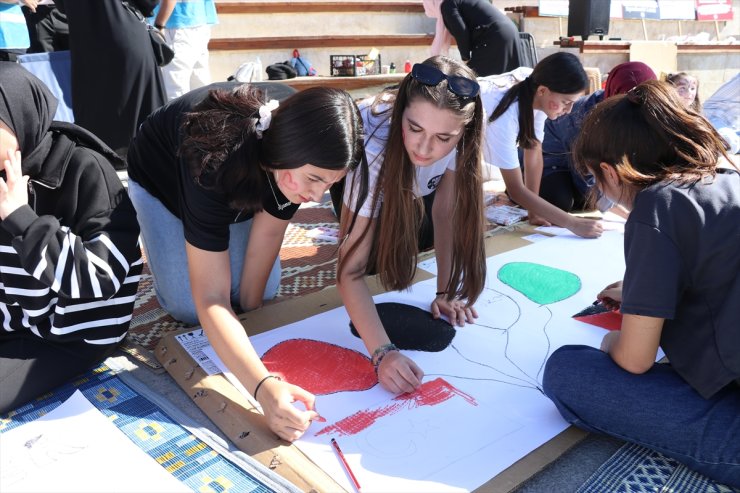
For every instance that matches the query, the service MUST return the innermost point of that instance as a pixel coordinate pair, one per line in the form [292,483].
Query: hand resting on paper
[398,373]
[611,296]
[276,398]
[457,311]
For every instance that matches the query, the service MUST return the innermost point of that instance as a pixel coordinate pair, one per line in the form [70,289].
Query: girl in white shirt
[548,91]
[411,138]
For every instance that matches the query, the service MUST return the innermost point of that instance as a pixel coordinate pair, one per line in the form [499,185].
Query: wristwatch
[159,27]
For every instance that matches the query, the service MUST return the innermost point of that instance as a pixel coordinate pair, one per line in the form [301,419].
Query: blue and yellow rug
[188,458]
[635,469]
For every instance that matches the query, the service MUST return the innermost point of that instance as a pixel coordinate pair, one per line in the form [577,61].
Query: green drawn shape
[540,283]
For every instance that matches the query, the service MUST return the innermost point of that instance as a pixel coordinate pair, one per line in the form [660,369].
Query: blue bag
[301,65]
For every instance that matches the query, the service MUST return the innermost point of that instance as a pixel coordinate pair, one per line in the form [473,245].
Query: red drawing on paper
[430,393]
[320,367]
[607,320]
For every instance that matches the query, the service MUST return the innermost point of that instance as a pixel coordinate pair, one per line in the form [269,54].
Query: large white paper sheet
[494,412]
[75,448]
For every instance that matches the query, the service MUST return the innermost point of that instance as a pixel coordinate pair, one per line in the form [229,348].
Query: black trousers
[426,233]
[558,189]
[31,366]
[47,28]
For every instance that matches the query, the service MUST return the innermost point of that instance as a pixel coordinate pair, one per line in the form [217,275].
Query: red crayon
[344,463]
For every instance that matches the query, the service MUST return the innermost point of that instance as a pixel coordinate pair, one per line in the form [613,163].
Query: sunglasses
[431,76]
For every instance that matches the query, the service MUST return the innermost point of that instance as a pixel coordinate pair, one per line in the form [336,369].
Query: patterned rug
[191,460]
[635,469]
[307,266]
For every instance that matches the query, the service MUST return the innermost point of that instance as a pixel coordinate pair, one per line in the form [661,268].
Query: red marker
[344,463]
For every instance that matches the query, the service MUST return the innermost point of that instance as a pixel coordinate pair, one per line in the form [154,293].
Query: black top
[70,258]
[463,17]
[153,163]
[681,251]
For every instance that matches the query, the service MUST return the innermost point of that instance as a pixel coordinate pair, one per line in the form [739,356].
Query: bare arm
[210,279]
[265,239]
[442,211]
[635,347]
[396,373]
[165,11]
[535,204]
[533,165]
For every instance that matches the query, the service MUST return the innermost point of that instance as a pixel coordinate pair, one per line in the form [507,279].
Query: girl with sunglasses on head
[519,103]
[215,176]
[681,287]
[419,193]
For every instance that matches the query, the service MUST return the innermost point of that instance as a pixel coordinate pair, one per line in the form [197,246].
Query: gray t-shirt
[682,252]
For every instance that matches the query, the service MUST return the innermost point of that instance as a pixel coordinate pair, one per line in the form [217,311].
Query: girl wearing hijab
[70,260]
[561,185]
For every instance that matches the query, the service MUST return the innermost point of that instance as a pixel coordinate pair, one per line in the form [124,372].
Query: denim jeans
[657,410]
[164,245]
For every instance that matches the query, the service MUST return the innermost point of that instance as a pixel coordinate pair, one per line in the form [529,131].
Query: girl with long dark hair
[215,177]
[519,103]
[418,187]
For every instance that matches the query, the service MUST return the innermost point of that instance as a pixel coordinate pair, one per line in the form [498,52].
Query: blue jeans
[657,410]
[164,244]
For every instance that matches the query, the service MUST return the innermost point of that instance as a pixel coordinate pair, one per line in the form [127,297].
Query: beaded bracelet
[257,388]
[380,353]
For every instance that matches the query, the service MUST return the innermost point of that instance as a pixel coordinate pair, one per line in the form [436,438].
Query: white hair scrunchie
[265,116]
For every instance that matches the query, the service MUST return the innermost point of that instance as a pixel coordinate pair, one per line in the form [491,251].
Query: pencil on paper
[344,463]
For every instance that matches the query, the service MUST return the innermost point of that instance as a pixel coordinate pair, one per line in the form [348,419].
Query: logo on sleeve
[433,182]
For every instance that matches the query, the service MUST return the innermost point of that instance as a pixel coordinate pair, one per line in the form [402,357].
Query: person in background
[47,27]
[70,260]
[488,40]
[419,193]
[561,184]
[14,38]
[687,87]
[116,82]
[519,103]
[722,109]
[215,176]
[681,288]
[186,25]
[442,37]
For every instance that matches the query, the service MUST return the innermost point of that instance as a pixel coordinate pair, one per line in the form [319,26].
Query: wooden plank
[279,7]
[344,41]
[624,47]
[346,83]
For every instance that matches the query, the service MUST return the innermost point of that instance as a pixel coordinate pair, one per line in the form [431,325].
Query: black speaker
[586,17]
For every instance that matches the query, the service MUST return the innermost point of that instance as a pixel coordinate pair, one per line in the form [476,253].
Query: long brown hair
[648,136]
[395,245]
[560,72]
[320,126]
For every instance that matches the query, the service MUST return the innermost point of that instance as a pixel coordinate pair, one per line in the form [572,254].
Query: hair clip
[265,116]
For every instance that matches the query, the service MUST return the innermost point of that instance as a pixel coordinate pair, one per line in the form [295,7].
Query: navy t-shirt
[682,252]
[153,163]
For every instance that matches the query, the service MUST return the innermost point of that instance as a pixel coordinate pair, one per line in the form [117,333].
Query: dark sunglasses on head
[431,76]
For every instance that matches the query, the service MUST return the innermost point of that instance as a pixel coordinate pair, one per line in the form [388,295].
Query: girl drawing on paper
[419,193]
[681,287]
[215,177]
[519,102]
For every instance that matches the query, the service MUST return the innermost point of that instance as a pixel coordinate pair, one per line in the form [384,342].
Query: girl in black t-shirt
[215,176]
[681,287]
